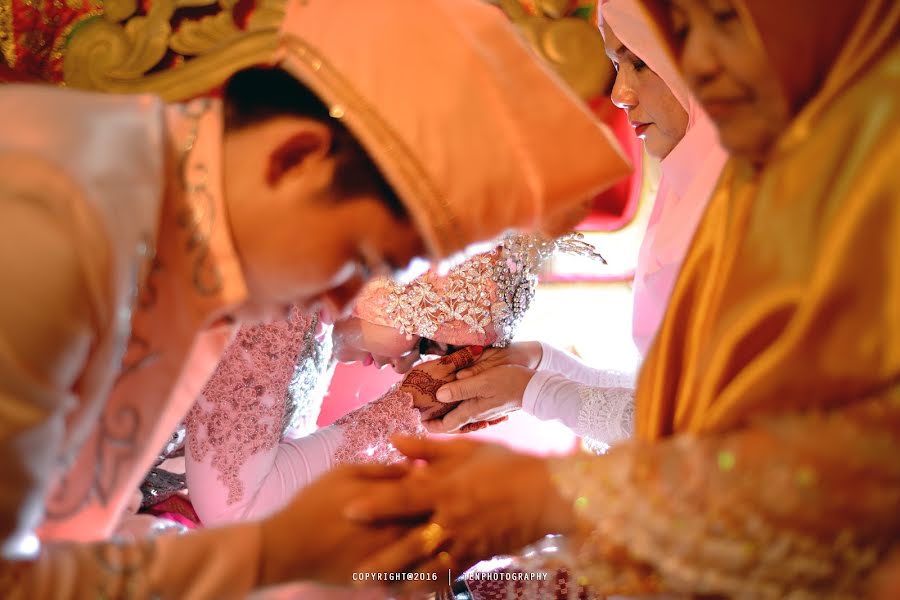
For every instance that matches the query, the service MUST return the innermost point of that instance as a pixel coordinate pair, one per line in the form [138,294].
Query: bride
[248,442]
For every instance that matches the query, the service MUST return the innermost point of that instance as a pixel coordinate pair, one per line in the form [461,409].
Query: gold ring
[432,536]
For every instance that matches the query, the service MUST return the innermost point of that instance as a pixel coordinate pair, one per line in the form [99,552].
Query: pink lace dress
[251,442]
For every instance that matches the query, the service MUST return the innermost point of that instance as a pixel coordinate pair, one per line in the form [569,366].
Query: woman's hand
[491,394]
[486,500]
[423,382]
[523,354]
[311,539]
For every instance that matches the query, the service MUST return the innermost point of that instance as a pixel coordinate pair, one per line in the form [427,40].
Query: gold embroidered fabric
[763,512]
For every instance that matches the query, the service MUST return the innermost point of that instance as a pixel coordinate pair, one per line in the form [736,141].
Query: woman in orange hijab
[768,409]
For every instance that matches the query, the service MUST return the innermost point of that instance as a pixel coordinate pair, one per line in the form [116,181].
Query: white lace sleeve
[606,416]
[603,414]
[558,361]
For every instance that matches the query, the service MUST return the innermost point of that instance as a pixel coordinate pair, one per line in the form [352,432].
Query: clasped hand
[471,389]
[479,499]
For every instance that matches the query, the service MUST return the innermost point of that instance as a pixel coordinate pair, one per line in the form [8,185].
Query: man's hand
[311,540]
[486,396]
[485,500]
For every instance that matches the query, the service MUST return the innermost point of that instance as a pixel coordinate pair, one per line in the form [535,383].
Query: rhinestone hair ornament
[480,301]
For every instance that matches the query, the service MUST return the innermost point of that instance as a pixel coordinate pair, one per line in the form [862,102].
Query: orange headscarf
[789,298]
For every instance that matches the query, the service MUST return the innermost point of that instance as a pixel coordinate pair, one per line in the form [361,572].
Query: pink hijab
[688,175]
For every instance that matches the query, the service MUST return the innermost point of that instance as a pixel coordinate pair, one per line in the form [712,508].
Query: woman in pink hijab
[647,78]
[548,383]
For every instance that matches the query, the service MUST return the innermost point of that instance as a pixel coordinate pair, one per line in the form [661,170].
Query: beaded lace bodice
[269,382]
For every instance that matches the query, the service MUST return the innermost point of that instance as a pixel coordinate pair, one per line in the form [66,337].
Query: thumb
[458,391]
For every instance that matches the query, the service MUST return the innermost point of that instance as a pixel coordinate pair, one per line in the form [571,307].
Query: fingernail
[443,396]
[476,350]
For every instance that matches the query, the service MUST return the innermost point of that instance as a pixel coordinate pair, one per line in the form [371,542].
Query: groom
[134,234]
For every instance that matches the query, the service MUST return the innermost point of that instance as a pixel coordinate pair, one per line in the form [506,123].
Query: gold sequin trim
[7,37]
[414,174]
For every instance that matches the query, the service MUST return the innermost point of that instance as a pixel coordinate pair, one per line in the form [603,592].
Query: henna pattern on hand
[427,386]
[423,382]
[460,359]
[479,425]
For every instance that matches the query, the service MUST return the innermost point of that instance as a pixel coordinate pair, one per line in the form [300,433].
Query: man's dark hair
[256,95]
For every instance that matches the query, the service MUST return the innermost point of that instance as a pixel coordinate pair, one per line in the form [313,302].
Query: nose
[404,364]
[338,301]
[623,94]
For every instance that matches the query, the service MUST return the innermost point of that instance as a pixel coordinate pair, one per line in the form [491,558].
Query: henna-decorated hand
[424,381]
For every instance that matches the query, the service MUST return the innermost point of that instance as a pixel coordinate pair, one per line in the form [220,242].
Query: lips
[640,128]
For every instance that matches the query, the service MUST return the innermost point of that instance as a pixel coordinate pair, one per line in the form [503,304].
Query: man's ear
[308,140]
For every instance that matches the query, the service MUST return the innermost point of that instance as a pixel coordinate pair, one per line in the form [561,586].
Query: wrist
[527,375]
[534,353]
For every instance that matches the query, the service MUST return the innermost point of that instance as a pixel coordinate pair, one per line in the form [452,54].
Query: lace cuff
[366,430]
[603,416]
[606,416]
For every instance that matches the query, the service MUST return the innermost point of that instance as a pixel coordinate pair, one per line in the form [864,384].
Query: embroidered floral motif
[246,406]
[492,289]
[367,429]
[606,416]
[421,308]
